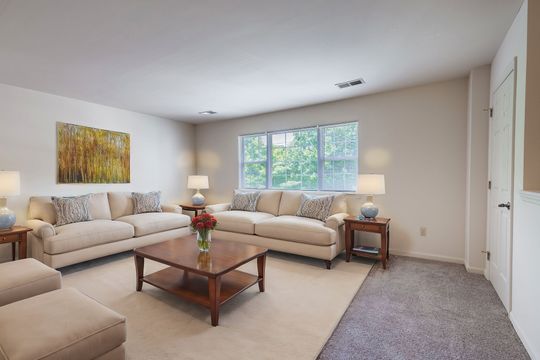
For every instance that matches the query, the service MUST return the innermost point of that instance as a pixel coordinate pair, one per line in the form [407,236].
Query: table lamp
[370,184]
[10,185]
[197,182]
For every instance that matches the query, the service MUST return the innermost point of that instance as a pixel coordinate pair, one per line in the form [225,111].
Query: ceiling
[175,58]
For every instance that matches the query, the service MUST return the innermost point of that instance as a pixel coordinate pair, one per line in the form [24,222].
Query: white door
[500,197]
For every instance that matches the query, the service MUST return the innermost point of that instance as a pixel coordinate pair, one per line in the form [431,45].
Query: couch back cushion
[99,207]
[121,204]
[269,202]
[42,208]
[291,200]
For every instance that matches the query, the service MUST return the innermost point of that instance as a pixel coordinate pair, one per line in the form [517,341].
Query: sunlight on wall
[376,158]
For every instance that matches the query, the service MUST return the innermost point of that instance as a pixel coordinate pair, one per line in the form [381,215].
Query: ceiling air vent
[346,84]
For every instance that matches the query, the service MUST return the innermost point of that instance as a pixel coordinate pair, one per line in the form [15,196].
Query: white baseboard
[523,338]
[475,270]
[427,256]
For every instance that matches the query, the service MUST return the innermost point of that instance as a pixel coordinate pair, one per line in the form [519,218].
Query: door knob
[507,205]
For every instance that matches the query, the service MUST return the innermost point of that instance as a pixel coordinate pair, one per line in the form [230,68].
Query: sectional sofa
[114,229]
[274,225]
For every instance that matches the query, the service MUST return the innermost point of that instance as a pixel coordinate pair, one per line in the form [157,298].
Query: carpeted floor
[419,309]
[293,319]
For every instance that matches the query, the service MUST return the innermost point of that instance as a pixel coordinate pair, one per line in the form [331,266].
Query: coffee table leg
[214,289]
[261,264]
[139,267]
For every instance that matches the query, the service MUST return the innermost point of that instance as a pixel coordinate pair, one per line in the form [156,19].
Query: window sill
[531,197]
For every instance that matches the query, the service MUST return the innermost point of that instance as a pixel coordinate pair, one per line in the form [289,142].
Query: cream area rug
[292,319]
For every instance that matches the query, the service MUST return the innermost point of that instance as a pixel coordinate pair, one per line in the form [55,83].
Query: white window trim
[268,161]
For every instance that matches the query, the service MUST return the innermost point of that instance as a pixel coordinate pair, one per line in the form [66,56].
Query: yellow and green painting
[89,155]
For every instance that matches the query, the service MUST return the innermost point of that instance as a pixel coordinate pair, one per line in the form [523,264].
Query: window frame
[243,161]
[268,162]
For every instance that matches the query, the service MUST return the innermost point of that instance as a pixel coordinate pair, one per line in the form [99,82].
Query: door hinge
[488,254]
[490,112]
[489,185]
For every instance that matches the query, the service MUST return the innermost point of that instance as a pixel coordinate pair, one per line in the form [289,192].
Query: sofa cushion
[245,201]
[269,202]
[25,278]
[315,207]
[86,234]
[146,202]
[71,209]
[99,206]
[61,324]
[121,204]
[297,229]
[291,200]
[240,221]
[42,208]
[151,223]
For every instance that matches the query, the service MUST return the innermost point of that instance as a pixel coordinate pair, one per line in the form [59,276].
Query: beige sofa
[275,225]
[114,229]
[41,320]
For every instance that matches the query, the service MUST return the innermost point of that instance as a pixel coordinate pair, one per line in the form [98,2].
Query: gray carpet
[419,309]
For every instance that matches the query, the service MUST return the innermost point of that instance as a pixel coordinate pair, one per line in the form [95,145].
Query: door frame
[512,67]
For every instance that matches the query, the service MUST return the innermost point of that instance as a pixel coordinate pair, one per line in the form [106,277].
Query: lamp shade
[370,184]
[197,182]
[10,183]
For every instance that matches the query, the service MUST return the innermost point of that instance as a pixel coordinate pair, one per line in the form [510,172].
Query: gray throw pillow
[246,201]
[146,202]
[71,209]
[315,207]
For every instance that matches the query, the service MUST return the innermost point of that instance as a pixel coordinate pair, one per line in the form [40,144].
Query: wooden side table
[378,225]
[17,234]
[194,208]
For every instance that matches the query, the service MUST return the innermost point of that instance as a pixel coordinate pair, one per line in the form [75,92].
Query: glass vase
[204,238]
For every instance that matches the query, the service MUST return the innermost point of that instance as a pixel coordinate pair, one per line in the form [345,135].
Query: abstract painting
[89,155]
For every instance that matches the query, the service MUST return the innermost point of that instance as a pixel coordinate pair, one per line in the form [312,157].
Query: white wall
[415,136]
[477,168]
[525,265]
[161,150]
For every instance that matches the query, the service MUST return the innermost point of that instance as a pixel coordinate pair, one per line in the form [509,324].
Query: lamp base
[7,218]
[198,199]
[369,210]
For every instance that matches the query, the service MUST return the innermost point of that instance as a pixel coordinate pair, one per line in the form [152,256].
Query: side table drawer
[365,227]
[8,238]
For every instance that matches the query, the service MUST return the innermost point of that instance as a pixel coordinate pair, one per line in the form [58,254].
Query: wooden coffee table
[209,279]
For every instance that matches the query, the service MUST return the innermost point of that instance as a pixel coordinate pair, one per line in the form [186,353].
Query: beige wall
[161,150]
[415,136]
[525,293]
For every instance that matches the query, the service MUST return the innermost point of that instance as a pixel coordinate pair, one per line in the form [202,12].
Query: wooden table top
[192,207]
[183,253]
[378,221]
[15,230]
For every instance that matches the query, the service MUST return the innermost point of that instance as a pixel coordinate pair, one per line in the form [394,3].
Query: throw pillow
[71,209]
[315,207]
[246,201]
[146,202]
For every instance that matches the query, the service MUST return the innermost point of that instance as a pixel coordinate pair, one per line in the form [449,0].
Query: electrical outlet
[423,231]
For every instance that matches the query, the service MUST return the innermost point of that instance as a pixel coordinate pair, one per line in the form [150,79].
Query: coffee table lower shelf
[195,288]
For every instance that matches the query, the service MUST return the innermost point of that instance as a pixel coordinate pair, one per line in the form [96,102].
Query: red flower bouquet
[203,226]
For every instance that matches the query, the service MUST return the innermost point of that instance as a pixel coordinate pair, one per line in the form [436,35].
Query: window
[254,161]
[318,158]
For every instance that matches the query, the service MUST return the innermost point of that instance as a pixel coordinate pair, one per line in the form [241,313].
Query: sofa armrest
[171,208]
[41,229]
[336,220]
[210,209]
